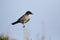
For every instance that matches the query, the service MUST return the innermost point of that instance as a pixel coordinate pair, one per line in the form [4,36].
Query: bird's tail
[14,23]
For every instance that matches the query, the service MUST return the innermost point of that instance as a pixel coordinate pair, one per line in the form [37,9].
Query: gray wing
[21,18]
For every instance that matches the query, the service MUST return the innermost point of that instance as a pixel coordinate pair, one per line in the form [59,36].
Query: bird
[24,18]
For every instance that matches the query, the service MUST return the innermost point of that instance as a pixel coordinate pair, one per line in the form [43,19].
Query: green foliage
[4,38]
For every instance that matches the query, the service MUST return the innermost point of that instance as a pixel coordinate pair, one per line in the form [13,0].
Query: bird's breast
[28,17]
[25,18]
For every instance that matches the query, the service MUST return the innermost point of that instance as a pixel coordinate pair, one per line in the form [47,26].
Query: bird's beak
[32,14]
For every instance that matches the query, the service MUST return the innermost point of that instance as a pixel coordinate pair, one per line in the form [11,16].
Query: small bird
[24,19]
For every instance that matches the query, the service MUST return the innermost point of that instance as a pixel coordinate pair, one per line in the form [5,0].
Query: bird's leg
[23,25]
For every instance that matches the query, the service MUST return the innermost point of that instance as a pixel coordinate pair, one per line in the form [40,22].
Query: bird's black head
[28,12]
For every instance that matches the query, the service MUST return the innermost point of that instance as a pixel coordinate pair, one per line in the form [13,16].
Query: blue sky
[43,10]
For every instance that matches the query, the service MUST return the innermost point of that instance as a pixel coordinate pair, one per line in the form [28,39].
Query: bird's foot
[23,26]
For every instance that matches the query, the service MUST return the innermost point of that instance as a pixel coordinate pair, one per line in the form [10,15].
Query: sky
[47,11]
